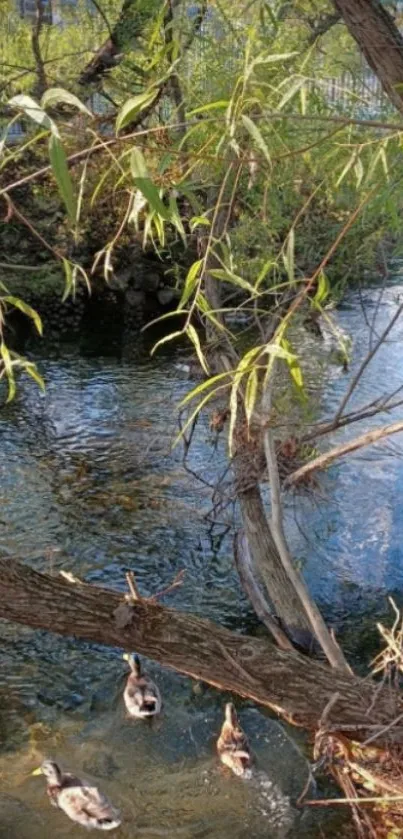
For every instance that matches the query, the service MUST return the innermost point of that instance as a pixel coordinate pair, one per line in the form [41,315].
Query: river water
[89,484]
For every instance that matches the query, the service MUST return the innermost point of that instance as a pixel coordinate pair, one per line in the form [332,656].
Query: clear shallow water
[88,484]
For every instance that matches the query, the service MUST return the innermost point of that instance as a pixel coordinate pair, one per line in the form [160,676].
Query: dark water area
[90,484]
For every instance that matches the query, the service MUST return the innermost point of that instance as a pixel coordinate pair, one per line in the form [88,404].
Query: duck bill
[37,771]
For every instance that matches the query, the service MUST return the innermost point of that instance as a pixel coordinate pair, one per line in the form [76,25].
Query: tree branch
[327,458]
[319,628]
[41,83]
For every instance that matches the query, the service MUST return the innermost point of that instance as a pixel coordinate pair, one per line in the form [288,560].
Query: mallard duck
[81,802]
[232,745]
[141,695]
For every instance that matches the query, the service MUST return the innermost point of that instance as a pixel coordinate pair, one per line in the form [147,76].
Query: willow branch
[367,439]
[319,628]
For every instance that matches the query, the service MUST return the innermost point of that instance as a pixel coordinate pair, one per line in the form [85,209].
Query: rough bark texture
[379,39]
[266,561]
[293,686]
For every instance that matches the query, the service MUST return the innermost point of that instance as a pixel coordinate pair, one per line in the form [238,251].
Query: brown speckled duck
[82,802]
[141,695]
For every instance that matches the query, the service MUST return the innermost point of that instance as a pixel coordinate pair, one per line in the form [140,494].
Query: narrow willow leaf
[138,166]
[322,291]
[256,136]
[272,59]
[202,387]
[151,193]
[133,107]
[176,219]
[62,175]
[193,415]
[69,279]
[347,168]
[288,256]
[293,365]
[28,310]
[8,367]
[32,371]
[145,185]
[230,277]
[292,90]
[198,221]
[33,110]
[57,95]
[251,393]
[165,340]
[359,172]
[212,106]
[264,271]
[192,334]
[190,282]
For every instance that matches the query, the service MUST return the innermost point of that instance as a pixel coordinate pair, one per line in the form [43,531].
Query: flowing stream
[89,485]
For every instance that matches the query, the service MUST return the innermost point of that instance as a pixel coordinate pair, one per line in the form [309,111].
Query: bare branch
[367,360]
[319,628]
[325,459]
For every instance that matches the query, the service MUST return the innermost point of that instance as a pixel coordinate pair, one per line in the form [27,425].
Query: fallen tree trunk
[295,687]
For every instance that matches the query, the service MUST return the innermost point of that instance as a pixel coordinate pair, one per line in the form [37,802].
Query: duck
[232,745]
[141,695]
[81,801]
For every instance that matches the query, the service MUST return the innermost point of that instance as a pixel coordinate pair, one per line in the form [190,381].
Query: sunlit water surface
[89,484]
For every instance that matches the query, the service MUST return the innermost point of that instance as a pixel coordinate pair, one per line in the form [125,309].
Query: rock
[152,282]
[135,298]
[166,296]
[120,281]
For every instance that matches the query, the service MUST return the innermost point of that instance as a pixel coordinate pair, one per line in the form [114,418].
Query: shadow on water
[89,484]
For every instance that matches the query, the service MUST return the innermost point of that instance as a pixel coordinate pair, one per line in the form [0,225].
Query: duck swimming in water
[82,802]
[141,695]
[232,744]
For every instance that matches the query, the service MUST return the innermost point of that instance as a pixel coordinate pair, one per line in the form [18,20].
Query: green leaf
[192,334]
[165,340]
[230,277]
[212,106]
[322,291]
[251,393]
[293,88]
[33,110]
[190,282]
[145,185]
[8,367]
[256,136]
[138,165]
[288,256]
[32,371]
[271,59]
[197,221]
[204,386]
[61,172]
[293,365]
[57,95]
[28,310]
[134,106]
[176,219]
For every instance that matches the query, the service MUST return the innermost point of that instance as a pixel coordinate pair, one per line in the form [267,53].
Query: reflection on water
[88,484]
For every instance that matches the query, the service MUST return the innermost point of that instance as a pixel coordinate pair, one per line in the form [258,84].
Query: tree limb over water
[295,687]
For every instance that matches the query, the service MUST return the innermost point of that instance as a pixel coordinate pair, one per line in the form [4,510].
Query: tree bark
[41,80]
[292,685]
[379,39]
